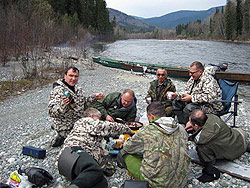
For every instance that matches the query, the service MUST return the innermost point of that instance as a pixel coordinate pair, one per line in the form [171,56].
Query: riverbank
[24,121]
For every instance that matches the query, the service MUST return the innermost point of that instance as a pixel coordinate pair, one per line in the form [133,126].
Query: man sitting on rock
[157,152]
[159,88]
[67,103]
[82,153]
[116,105]
[201,92]
[214,139]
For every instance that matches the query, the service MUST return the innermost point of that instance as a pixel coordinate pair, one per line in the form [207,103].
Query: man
[214,139]
[158,90]
[158,152]
[85,140]
[201,92]
[67,104]
[116,105]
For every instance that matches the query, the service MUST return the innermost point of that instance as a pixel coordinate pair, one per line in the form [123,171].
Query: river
[182,53]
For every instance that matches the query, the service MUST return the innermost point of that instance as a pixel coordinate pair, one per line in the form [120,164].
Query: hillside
[170,21]
[128,21]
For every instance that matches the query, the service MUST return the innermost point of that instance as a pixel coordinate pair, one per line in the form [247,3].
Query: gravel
[24,121]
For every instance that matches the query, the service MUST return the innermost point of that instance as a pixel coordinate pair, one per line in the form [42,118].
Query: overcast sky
[155,8]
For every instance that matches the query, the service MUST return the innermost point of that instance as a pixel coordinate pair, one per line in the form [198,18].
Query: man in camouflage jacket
[86,136]
[161,147]
[158,90]
[201,92]
[116,105]
[67,103]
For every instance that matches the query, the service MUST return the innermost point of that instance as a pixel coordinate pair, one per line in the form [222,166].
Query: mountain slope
[128,21]
[170,21]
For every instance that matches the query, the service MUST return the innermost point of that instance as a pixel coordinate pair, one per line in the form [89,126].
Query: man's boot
[59,140]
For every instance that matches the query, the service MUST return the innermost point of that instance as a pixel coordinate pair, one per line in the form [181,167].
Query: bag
[135,184]
[17,180]
[38,176]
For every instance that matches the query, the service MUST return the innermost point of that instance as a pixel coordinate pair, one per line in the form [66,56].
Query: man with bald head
[159,88]
[215,139]
[118,105]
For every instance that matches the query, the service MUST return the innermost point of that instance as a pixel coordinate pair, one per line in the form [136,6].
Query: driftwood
[225,166]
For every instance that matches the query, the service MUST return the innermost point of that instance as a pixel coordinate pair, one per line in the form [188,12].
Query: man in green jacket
[159,89]
[214,139]
[158,152]
[118,105]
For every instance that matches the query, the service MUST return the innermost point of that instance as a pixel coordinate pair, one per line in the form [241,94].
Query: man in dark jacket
[214,139]
[159,89]
[116,105]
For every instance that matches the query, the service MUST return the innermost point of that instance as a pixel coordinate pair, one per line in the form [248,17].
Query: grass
[10,89]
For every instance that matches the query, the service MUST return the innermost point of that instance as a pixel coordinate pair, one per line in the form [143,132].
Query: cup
[170,95]
[149,100]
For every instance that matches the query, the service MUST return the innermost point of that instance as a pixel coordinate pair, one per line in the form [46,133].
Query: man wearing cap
[159,89]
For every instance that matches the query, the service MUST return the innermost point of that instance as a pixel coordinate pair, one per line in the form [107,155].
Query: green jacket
[218,141]
[160,95]
[165,160]
[111,105]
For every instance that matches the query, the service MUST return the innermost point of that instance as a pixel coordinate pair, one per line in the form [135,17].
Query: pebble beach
[24,121]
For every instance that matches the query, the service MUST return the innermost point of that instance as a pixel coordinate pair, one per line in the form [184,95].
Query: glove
[38,176]
[119,159]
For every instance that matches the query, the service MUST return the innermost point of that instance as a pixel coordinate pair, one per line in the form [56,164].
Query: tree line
[231,22]
[26,25]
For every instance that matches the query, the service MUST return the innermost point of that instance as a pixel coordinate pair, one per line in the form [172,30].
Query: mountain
[128,21]
[171,20]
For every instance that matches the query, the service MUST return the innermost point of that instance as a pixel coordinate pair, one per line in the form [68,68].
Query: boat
[173,71]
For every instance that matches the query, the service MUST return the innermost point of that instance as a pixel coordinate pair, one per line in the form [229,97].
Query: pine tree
[229,20]
[239,18]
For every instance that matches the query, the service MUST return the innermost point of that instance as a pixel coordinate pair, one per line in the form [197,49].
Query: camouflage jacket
[218,141]
[206,90]
[165,160]
[64,116]
[166,86]
[111,105]
[88,134]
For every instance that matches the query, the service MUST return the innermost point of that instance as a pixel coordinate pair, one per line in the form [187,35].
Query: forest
[26,25]
[231,23]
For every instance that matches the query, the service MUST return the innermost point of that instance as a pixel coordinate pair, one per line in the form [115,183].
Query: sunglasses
[160,74]
[193,72]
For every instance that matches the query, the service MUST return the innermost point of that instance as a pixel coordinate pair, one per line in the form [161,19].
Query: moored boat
[173,71]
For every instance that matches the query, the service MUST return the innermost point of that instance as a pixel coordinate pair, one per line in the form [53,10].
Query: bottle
[68,95]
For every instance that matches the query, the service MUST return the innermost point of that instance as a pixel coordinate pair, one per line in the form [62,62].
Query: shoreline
[25,121]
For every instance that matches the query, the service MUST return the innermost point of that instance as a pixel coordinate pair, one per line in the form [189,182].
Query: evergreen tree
[246,18]
[229,20]
[239,18]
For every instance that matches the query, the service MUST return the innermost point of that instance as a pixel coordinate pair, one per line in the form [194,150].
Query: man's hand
[66,100]
[99,95]
[186,97]
[189,127]
[109,118]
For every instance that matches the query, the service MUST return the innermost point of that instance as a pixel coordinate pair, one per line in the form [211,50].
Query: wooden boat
[173,71]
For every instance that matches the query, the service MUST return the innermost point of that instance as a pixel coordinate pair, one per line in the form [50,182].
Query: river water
[182,53]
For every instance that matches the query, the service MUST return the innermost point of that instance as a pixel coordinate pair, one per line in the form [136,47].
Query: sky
[156,8]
